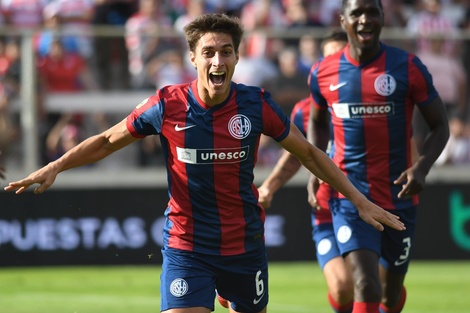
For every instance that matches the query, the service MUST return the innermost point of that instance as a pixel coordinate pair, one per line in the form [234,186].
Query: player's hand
[265,197]
[412,182]
[378,217]
[312,188]
[45,177]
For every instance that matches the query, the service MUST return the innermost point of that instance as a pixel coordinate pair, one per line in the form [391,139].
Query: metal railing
[26,104]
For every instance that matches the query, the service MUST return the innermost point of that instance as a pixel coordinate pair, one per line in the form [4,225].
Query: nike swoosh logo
[256,301]
[398,263]
[178,129]
[336,87]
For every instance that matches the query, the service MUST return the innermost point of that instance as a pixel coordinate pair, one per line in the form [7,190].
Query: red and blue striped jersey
[210,155]
[371,108]
[300,116]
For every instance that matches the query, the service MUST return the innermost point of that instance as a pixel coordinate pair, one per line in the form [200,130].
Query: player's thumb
[402,178]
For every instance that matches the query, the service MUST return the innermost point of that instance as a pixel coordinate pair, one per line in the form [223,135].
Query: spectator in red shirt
[61,72]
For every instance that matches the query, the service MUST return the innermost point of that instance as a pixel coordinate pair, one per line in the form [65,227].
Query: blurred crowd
[78,48]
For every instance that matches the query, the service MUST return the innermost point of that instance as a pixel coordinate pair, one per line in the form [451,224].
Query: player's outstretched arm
[285,168]
[319,164]
[89,151]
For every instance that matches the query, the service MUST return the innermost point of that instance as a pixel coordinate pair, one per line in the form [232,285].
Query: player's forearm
[283,171]
[89,151]
[433,146]
[323,167]
[318,129]
[96,148]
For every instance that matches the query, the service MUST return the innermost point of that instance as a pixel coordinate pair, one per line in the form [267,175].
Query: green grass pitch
[295,287]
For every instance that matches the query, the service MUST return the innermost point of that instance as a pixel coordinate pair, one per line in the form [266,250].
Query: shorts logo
[385,85]
[179,287]
[344,234]
[256,301]
[401,262]
[239,126]
[324,246]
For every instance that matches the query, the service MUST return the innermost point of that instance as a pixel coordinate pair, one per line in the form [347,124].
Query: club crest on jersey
[239,126]
[385,85]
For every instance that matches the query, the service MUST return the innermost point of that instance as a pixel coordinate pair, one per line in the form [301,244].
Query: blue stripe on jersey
[397,65]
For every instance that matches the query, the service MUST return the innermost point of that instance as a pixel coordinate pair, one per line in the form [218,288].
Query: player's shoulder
[174,90]
[252,93]
[328,62]
[248,89]
[395,52]
[302,104]
[165,95]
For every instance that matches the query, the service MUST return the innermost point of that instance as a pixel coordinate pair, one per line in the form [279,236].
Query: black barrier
[124,226]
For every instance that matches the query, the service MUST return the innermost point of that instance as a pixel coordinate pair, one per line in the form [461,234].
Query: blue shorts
[393,247]
[325,242]
[190,279]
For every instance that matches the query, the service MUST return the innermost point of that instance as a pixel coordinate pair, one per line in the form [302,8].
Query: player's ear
[192,58]
[341,20]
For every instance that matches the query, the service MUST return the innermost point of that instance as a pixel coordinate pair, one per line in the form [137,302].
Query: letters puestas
[68,233]
[49,234]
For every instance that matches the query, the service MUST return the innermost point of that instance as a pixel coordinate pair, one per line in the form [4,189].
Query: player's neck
[363,55]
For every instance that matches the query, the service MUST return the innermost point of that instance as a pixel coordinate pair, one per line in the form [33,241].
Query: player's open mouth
[217,78]
[365,34]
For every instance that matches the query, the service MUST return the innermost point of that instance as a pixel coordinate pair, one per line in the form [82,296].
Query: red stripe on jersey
[182,231]
[376,135]
[323,194]
[333,97]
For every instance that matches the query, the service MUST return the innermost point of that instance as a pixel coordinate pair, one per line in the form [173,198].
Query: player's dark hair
[345,3]
[213,23]
[336,34]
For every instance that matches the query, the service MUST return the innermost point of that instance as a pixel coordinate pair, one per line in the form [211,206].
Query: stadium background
[111,215]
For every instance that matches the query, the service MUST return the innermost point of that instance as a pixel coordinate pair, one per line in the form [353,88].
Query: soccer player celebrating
[338,279]
[370,90]
[210,130]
